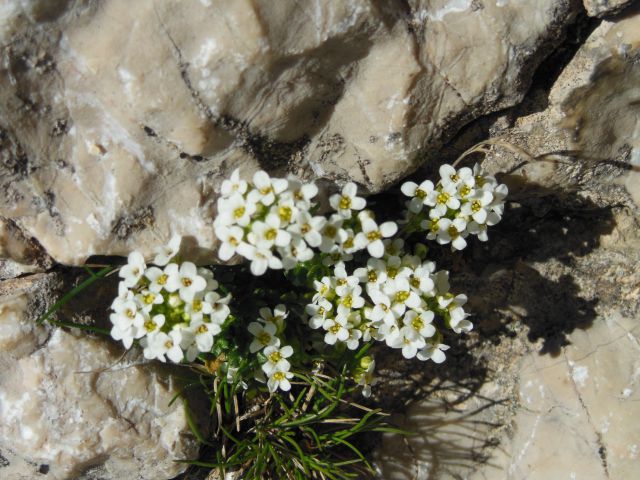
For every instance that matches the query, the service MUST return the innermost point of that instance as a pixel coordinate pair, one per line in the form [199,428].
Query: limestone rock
[71,407]
[19,255]
[119,119]
[600,8]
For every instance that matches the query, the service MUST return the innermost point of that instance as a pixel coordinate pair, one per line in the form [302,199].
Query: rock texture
[549,388]
[600,8]
[119,119]
[72,407]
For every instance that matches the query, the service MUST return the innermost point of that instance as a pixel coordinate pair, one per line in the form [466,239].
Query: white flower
[445,198]
[343,281]
[318,312]
[419,194]
[149,326]
[186,280]
[477,206]
[235,210]
[453,231]
[207,274]
[350,299]
[159,278]
[124,322]
[331,233]
[230,238]
[353,342]
[433,351]
[295,252]
[409,340]
[420,322]
[203,335]
[275,316]
[302,193]
[372,235]
[279,379]
[219,307]
[308,227]
[265,336]
[132,272]
[381,311]
[233,185]
[266,234]
[374,274]
[197,307]
[147,299]
[336,330]
[165,253]
[277,359]
[421,281]
[324,289]
[261,258]
[449,176]
[347,201]
[159,344]
[401,295]
[266,188]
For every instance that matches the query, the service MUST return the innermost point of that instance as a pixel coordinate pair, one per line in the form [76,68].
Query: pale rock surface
[19,255]
[119,119]
[71,407]
[556,294]
[600,8]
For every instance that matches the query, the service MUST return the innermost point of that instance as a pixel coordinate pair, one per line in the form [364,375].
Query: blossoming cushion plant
[292,332]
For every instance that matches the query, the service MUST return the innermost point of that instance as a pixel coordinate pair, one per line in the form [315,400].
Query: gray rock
[73,407]
[120,118]
[601,8]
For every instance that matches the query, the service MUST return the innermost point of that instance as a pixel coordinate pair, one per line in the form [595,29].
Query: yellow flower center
[434,226]
[443,197]
[149,298]
[417,323]
[197,305]
[264,338]
[464,191]
[373,236]
[275,357]
[279,376]
[233,241]
[348,243]
[162,279]
[415,282]
[168,344]
[271,234]
[402,296]
[347,301]
[453,232]
[345,202]
[420,193]
[239,212]
[334,329]
[130,313]
[372,276]
[266,190]
[392,272]
[186,281]
[285,213]
[150,325]
[341,281]
[321,311]
[330,231]
[480,181]
[476,206]
[454,177]
[202,329]
[306,228]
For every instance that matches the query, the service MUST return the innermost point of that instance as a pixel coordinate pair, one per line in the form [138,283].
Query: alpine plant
[367,281]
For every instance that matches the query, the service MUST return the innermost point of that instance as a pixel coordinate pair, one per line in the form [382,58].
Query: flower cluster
[267,343]
[269,222]
[172,308]
[464,202]
[394,299]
